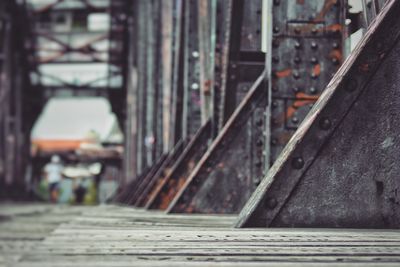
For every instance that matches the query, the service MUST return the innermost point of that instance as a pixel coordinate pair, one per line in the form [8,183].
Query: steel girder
[231,81]
[229,171]
[16,109]
[340,168]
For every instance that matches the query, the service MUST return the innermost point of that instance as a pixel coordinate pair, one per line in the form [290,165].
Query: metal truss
[339,168]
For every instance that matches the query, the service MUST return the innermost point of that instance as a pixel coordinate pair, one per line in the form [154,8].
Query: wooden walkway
[45,235]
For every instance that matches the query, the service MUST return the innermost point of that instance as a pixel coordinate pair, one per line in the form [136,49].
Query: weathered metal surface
[16,117]
[163,194]
[225,176]
[340,168]
[130,191]
[306,52]
[141,195]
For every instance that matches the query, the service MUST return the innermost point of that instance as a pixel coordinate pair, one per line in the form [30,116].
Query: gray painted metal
[226,175]
[306,52]
[340,168]
[162,195]
[16,117]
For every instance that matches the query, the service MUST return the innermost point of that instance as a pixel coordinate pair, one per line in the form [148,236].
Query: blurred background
[63,99]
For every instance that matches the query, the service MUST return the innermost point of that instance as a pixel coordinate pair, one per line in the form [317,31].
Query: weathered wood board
[121,236]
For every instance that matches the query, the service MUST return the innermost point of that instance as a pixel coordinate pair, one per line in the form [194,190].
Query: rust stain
[207,86]
[300,2]
[364,67]
[333,28]
[303,99]
[316,70]
[336,53]
[328,4]
[283,73]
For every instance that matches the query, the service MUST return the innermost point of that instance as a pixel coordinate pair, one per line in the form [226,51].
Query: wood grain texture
[42,235]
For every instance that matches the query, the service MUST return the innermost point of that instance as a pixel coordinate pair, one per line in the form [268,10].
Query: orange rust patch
[335,53]
[317,70]
[364,67]
[283,73]
[303,99]
[333,28]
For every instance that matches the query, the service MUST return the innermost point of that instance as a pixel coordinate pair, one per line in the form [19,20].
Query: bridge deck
[45,235]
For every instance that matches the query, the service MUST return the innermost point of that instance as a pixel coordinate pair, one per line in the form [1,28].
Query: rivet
[274,104]
[335,45]
[296,75]
[296,89]
[275,59]
[335,61]
[314,45]
[297,45]
[195,54]
[276,29]
[314,30]
[271,203]
[297,60]
[314,76]
[325,124]
[274,141]
[313,90]
[259,142]
[314,60]
[295,120]
[195,86]
[351,85]
[297,30]
[297,163]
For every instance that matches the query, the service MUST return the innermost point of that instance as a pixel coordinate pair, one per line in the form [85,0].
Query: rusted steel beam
[226,175]
[130,190]
[163,194]
[142,193]
[340,168]
[307,49]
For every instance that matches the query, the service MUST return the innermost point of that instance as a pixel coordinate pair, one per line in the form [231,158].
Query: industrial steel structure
[217,99]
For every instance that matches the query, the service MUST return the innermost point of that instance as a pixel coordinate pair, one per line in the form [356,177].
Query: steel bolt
[296,75]
[271,203]
[259,143]
[297,163]
[313,90]
[325,124]
[297,60]
[351,85]
[314,60]
[276,29]
[295,120]
[314,45]
[297,45]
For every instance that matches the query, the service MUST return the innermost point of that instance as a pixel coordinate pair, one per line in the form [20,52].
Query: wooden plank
[120,236]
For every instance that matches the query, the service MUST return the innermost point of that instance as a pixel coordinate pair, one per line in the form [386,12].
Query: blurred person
[53,171]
